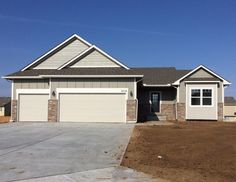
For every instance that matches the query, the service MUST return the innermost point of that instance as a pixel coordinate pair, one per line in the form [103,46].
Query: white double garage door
[74,107]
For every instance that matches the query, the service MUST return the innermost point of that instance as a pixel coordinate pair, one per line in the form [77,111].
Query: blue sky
[183,33]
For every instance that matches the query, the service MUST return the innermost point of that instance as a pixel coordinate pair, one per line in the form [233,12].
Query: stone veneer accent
[220,111]
[131,110]
[14,110]
[168,110]
[181,111]
[52,110]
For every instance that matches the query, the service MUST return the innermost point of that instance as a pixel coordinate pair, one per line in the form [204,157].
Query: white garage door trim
[92,91]
[29,92]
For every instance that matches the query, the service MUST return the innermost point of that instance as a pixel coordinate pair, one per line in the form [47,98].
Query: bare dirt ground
[194,151]
[4,119]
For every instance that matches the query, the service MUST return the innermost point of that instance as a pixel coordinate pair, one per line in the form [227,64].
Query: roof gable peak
[56,48]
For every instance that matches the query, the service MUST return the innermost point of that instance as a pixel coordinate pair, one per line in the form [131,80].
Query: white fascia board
[31,91]
[53,49]
[164,85]
[81,39]
[75,58]
[202,81]
[113,59]
[21,77]
[112,66]
[90,76]
[225,82]
[72,76]
[91,90]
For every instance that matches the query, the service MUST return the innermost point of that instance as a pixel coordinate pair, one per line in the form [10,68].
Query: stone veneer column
[14,110]
[131,110]
[220,111]
[169,111]
[181,111]
[52,110]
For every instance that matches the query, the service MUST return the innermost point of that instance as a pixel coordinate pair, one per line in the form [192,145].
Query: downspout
[176,108]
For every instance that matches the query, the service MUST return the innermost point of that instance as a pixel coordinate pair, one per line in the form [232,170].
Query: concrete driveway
[32,150]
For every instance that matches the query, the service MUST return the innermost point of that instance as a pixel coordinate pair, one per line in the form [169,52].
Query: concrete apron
[118,174]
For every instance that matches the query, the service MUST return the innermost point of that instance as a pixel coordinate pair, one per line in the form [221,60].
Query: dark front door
[155,102]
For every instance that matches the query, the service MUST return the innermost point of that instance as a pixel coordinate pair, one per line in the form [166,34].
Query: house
[230,109]
[5,106]
[78,82]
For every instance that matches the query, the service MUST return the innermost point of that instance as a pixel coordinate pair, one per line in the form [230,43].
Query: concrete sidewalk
[117,174]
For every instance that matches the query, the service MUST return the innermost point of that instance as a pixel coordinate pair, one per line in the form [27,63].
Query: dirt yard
[196,152]
[4,119]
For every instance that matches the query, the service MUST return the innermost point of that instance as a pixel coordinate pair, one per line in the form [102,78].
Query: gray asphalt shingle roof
[230,101]
[151,75]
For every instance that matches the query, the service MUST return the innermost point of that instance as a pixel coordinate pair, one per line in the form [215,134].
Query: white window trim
[150,102]
[92,90]
[32,91]
[201,96]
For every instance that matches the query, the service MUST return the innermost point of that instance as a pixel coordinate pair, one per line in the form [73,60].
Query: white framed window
[201,97]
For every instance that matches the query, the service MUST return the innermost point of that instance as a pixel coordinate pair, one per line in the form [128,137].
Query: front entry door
[155,102]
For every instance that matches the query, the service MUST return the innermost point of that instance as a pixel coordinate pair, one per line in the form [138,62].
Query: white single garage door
[33,107]
[92,107]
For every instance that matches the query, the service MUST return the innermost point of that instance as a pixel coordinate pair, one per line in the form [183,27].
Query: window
[195,97]
[207,97]
[201,97]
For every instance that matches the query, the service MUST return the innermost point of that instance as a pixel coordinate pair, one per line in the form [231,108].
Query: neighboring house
[78,82]
[230,109]
[5,106]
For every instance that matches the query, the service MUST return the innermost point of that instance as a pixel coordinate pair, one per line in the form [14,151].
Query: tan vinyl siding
[182,92]
[30,84]
[95,83]
[64,55]
[201,74]
[95,59]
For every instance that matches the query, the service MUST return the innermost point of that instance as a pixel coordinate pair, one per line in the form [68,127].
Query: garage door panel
[92,107]
[33,107]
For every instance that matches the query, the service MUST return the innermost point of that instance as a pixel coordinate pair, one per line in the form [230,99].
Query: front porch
[156,103]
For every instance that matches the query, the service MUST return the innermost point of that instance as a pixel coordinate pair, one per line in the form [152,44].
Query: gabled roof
[55,49]
[225,82]
[77,58]
[4,101]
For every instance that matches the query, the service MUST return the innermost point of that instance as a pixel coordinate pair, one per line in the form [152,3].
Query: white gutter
[89,76]
[71,76]
[21,77]
[165,85]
